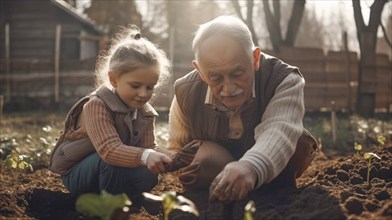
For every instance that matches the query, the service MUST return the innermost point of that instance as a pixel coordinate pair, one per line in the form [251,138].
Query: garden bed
[334,187]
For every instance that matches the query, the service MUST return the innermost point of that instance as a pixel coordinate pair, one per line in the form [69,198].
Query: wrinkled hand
[156,162]
[185,156]
[234,183]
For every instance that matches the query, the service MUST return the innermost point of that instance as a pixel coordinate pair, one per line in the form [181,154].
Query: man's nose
[228,86]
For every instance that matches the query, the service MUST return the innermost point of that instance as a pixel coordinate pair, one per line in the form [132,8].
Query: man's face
[229,71]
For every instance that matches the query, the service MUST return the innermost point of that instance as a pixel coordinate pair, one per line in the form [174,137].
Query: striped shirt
[275,136]
[97,122]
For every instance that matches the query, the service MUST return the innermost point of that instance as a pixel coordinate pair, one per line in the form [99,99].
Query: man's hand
[234,183]
[185,156]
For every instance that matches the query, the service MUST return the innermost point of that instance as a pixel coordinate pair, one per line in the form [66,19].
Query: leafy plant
[21,162]
[250,209]
[6,147]
[369,156]
[171,201]
[103,205]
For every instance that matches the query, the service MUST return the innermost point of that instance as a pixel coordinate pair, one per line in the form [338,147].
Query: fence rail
[330,77]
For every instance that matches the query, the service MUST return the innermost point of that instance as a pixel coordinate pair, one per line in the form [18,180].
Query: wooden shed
[47,53]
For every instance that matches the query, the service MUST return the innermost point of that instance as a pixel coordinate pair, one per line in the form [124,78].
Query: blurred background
[48,48]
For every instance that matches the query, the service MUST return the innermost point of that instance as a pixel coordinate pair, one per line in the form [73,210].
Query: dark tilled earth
[332,188]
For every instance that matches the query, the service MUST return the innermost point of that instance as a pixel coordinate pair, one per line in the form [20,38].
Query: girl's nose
[142,92]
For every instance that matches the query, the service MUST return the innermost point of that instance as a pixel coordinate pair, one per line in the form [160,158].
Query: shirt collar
[134,114]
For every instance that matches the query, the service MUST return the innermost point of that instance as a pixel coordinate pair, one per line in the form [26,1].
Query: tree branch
[273,29]
[294,22]
[249,19]
[276,5]
[237,9]
[358,16]
[375,14]
[385,35]
[249,15]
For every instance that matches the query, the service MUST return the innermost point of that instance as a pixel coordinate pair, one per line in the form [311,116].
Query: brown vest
[69,150]
[211,124]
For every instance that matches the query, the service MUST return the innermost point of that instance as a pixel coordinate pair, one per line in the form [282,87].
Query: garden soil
[334,187]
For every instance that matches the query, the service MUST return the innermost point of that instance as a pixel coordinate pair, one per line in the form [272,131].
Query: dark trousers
[211,158]
[92,175]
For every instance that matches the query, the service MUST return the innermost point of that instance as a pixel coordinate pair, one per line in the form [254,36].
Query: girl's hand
[185,156]
[156,162]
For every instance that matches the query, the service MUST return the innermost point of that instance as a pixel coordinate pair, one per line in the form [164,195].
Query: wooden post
[333,122]
[7,63]
[171,53]
[57,64]
[1,107]
[348,68]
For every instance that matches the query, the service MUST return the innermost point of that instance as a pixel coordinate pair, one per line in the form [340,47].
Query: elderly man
[246,107]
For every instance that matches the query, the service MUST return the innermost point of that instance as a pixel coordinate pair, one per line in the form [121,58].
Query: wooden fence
[330,77]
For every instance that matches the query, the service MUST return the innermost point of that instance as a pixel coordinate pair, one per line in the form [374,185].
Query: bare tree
[248,20]
[111,14]
[367,38]
[312,31]
[273,23]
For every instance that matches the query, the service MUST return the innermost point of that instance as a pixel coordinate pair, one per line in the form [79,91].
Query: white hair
[225,26]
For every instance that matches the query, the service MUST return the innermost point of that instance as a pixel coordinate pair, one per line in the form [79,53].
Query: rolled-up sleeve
[279,130]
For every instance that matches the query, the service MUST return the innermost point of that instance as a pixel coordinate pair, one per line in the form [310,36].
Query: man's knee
[305,151]
[307,147]
[210,159]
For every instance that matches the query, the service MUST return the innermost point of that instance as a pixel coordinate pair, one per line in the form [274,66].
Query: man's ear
[113,79]
[256,58]
[194,62]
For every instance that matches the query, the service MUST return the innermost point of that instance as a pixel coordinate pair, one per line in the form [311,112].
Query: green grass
[34,134]
[349,129]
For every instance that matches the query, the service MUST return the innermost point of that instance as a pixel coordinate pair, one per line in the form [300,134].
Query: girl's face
[136,87]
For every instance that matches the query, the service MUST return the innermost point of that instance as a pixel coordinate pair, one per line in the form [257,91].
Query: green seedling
[381,141]
[171,201]
[21,162]
[250,209]
[103,205]
[6,146]
[368,156]
[358,147]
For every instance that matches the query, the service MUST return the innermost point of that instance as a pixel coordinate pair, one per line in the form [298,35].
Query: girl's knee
[148,181]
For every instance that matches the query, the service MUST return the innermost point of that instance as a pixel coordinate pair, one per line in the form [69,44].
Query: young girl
[108,140]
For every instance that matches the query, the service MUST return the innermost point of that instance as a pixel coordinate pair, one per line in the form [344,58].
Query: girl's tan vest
[70,150]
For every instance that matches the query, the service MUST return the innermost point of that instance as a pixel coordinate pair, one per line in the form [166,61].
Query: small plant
[171,201]
[7,146]
[103,206]
[358,148]
[368,156]
[21,162]
[381,141]
[250,209]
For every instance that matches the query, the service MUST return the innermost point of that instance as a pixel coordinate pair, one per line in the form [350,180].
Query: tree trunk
[249,17]
[294,22]
[273,23]
[367,37]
